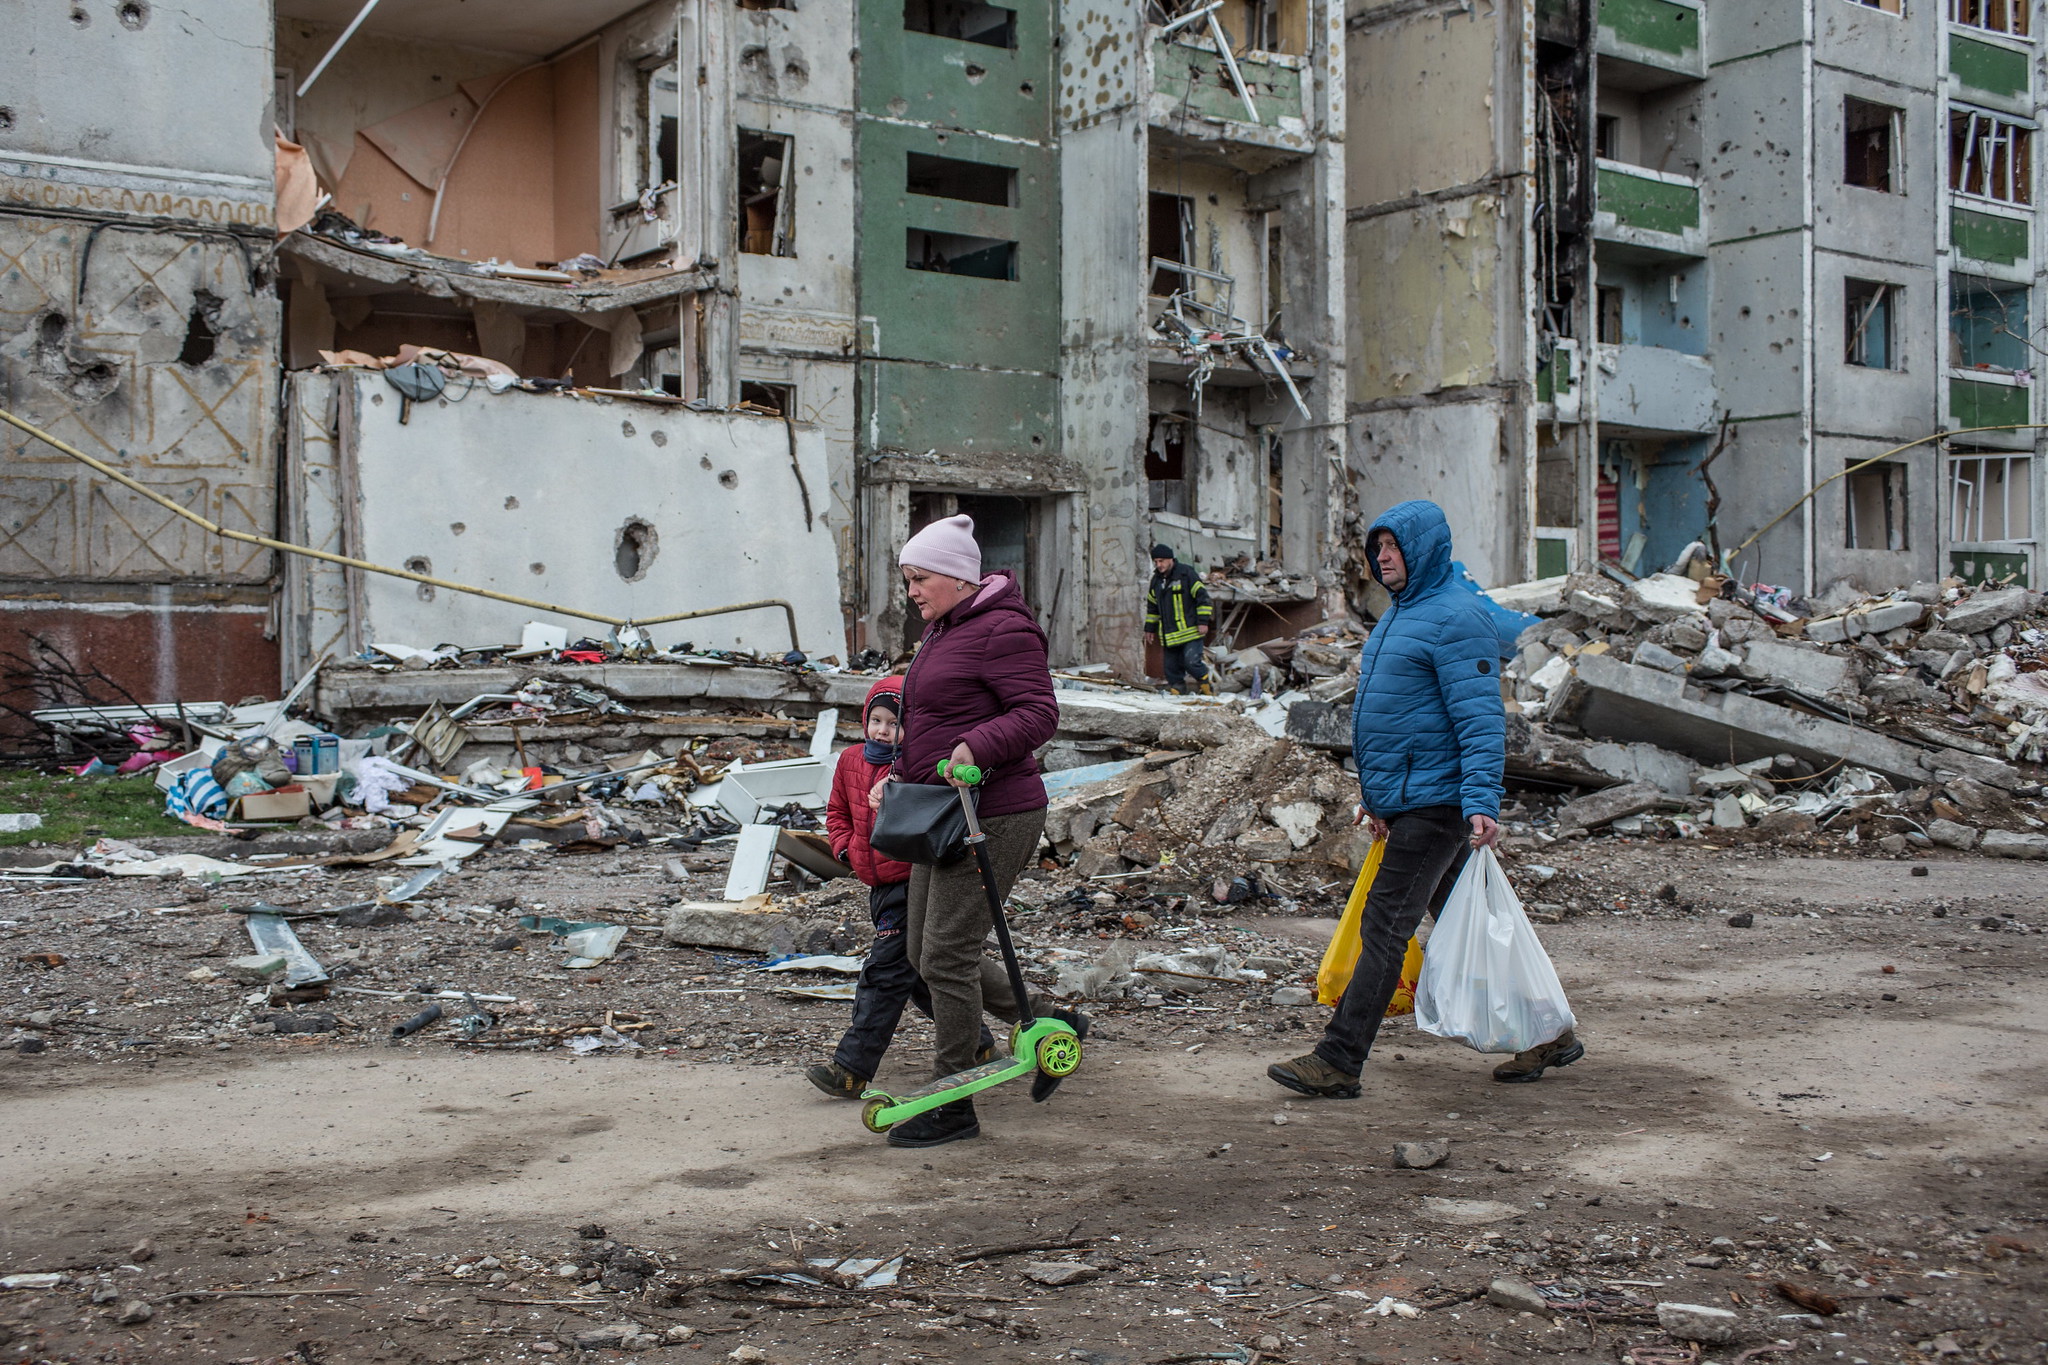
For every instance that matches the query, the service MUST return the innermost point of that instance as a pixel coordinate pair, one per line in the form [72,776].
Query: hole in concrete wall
[967,20]
[51,328]
[86,379]
[954,253]
[1876,506]
[79,18]
[133,14]
[456,528]
[729,479]
[704,463]
[778,399]
[628,430]
[634,548]
[200,336]
[536,568]
[1870,138]
[975,73]
[1168,487]
[511,504]
[660,438]
[6,119]
[421,564]
[975,182]
[767,226]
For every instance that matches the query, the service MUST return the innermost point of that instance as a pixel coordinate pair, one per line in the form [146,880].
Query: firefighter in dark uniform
[1177,616]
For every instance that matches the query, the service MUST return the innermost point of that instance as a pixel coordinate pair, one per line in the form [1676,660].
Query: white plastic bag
[1486,980]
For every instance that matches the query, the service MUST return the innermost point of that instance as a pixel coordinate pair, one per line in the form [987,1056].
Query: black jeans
[1184,661]
[1426,849]
[887,983]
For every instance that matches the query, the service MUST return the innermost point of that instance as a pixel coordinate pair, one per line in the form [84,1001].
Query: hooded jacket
[1428,727]
[981,676]
[848,818]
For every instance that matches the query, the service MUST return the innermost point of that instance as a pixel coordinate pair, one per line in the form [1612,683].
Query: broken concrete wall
[628,509]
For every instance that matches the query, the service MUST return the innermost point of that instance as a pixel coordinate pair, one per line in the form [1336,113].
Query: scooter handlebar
[965,772]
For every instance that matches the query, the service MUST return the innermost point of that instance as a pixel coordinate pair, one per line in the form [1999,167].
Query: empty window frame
[975,182]
[967,20]
[661,104]
[1872,137]
[779,399]
[1169,236]
[767,218]
[1990,157]
[954,253]
[1990,498]
[1988,327]
[1994,16]
[1877,507]
[1888,6]
[1607,320]
[1607,137]
[1168,487]
[1869,307]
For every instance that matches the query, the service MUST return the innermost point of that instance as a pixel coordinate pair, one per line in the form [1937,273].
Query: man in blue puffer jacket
[1429,735]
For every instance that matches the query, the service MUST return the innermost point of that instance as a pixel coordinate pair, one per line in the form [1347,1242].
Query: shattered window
[766,228]
[1868,310]
[1995,16]
[1877,507]
[1988,326]
[1871,138]
[1990,157]
[1168,486]
[974,182]
[954,253]
[1169,237]
[989,25]
[1990,497]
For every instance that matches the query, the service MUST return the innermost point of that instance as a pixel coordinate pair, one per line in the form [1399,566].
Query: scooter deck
[885,1110]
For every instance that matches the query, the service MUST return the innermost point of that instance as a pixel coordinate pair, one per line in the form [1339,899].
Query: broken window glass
[1995,16]
[766,226]
[975,182]
[1877,507]
[989,25]
[1168,486]
[1990,497]
[1990,157]
[954,253]
[1988,326]
[1869,306]
[1871,138]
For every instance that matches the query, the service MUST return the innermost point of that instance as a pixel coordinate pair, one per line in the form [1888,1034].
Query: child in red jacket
[887,980]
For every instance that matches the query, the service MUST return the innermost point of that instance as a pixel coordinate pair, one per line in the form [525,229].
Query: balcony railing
[1650,208]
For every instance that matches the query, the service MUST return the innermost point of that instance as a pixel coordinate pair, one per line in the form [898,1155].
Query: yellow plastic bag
[1341,957]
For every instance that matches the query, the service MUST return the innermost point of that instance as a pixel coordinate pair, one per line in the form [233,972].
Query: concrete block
[1728,812]
[1517,1295]
[1698,1322]
[705,924]
[1949,834]
[1801,670]
[1980,613]
[1665,597]
[1999,843]
[1604,807]
[1609,699]
[1714,661]
[1669,772]
[1871,620]
[258,968]
[1320,725]
[1652,655]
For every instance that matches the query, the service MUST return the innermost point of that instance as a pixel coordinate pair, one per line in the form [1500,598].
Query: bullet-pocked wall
[137,323]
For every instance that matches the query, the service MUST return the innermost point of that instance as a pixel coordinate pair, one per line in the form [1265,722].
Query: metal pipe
[339,44]
[366,566]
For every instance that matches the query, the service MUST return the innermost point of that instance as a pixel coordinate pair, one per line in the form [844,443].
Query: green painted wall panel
[1640,202]
[959,319]
[1988,236]
[1987,67]
[1653,25]
[1198,77]
[1972,404]
[950,81]
[1982,566]
[923,407]
[1553,557]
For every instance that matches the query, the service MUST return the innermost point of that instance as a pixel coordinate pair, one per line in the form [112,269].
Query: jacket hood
[1424,536]
[891,686]
[999,592]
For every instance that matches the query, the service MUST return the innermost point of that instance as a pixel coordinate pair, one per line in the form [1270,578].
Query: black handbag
[920,823]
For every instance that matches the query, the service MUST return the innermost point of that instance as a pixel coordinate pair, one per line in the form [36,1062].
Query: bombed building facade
[1688,260]
[718,300]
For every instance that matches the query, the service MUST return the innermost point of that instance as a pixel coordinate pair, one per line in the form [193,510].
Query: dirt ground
[1845,1096]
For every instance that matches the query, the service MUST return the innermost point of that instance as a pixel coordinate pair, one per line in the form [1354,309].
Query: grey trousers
[948,923]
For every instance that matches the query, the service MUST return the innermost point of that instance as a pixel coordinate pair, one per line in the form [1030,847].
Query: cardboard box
[284,803]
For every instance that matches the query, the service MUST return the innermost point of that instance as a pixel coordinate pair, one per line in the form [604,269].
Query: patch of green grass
[118,807]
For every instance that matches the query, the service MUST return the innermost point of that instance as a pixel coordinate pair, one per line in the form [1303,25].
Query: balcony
[1650,44]
[1655,213]
[1988,400]
[1194,97]
[1654,389]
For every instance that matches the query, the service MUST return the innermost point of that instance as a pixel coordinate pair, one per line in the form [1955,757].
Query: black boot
[947,1123]
[1043,1085]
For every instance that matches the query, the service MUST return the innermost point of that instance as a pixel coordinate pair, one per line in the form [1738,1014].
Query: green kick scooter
[1036,1045]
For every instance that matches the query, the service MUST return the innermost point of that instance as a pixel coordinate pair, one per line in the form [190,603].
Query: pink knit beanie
[946,546]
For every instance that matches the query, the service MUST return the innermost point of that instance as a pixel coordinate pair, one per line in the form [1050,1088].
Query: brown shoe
[1562,1050]
[836,1081]
[1314,1077]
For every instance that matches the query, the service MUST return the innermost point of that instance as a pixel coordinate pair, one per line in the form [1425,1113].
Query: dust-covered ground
[1845,1096]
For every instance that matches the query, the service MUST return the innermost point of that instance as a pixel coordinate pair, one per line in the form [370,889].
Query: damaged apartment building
[641,309]
[1676,264]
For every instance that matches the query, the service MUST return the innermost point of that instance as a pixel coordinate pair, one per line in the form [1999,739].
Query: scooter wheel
[1059,1055]
[871,1116]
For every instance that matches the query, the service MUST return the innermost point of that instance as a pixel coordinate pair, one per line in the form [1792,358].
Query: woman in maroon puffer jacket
[979,692]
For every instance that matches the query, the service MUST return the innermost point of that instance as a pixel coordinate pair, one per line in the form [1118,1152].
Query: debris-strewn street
[1837,1097]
